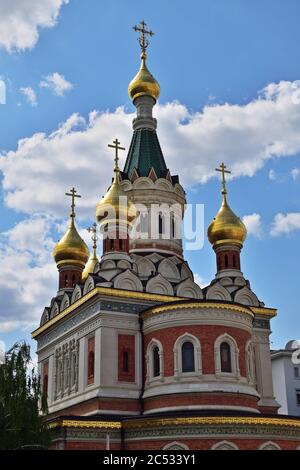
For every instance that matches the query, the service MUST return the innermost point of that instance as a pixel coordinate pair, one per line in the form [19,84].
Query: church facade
[133,354]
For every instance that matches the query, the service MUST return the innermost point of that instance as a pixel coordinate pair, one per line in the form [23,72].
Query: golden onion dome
[90,266]
[115,205]
[71,249]
[226,228]
[143,83]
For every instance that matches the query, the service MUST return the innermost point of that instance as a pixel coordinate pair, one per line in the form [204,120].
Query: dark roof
[145,153]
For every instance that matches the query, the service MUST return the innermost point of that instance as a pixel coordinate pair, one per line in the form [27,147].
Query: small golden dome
[89,267]
[115,205]
[143,83]
[71,249]
[226,227]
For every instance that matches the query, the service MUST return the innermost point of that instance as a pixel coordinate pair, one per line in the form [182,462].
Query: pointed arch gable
[246,297]
[169,270]
[175,446]
[269,446]
[190,289]
[77,293]
[218,292]
[159,285]
[145,268]
[88,285]
[65,302]
[128,281]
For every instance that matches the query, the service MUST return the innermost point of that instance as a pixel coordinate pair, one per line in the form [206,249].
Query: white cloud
[295,173]
[21,21]
[253,224]
[30,95]
[200,280]
[56,83]
[28,274]
[37,174]
[272,175]
[285,223]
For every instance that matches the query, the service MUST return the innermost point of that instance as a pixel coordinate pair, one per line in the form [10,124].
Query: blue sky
[215,61]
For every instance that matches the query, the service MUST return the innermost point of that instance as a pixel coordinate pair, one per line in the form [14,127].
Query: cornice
[198,305]
[119,293]
[68,423]
[256,421]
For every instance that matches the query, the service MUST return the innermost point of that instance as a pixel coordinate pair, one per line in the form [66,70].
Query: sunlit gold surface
[143,83]
[71,249]
[115,204]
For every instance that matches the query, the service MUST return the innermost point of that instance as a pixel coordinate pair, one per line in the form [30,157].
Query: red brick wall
[126,344]
[207,334]
[206,444]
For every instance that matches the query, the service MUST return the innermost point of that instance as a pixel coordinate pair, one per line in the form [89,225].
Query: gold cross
[223,170]
[141,28]
[93,230]
[117,147]
[73,194]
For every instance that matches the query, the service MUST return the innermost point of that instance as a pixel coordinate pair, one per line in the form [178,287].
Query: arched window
[91,365]
[225,354]
[188,357]
[156,361]
[233,261]
[66,281]
[226,261]
[111,242]
[160,224]
[173,226]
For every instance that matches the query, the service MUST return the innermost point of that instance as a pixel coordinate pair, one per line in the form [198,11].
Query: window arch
[187,355]
[269,446]
[224,445]
[225,356]
[224,363]
[175,446]
[155,360]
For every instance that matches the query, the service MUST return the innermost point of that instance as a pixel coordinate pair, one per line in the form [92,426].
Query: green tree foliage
[22,404]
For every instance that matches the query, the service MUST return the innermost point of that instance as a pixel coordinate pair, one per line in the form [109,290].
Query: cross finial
[222,169]
[93,231]
[73,194]
[141,28]
[116,145]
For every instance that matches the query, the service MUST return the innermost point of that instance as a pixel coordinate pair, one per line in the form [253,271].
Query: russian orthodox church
[133,354]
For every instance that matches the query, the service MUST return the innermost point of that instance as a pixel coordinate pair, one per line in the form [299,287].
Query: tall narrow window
[156,362]
[45,378]
[66,281]
[111,245]
[226,261]
[125,361]
[188,357]
[233,261]
[73,280]
[160,224]
[225,357]
[91,360]
[173,226]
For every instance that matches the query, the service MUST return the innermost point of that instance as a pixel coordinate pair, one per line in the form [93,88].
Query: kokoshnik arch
[133,354]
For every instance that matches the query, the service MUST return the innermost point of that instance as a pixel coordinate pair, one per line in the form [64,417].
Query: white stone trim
[149,361]
[234,351]
[204,384]
[177,351]
[165,409]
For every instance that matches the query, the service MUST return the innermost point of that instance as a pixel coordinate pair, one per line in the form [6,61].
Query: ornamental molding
[68,423]
[170,318]
[107,291]
[198,305]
